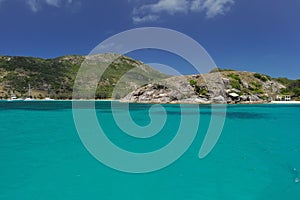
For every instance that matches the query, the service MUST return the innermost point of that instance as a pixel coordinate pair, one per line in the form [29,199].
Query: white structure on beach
[283,97]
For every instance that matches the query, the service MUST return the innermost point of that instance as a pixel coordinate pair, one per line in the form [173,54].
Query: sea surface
[42,157]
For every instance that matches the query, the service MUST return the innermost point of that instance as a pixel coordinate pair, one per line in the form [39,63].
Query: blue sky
[250,35]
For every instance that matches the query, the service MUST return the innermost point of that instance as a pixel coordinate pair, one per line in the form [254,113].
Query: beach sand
[285,102]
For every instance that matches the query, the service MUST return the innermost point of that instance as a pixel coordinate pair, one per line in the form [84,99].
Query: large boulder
[219,99]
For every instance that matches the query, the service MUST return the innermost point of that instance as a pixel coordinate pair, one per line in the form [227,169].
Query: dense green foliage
[59,74]
[292,87]
[262,77]
[200,90]
[235,77]
[235,81]
[256,88]
[193,83]
[283,81]
[17,72]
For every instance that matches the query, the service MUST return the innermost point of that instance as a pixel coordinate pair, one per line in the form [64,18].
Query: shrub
[284,81]
[264,79]
[235,77]
[193,82]
[159,86]
[235,84]
[258,91]
[256,85]
[296,92]
[202,91]
[261,77]
[256,88]
[285,92]
[265,98]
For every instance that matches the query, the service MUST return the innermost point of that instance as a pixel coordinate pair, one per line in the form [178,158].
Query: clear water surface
[256,158]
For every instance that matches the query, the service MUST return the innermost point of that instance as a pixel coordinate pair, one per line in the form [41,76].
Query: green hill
[58,74]
[55,78]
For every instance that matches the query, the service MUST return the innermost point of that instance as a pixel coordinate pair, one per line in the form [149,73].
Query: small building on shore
[283,98]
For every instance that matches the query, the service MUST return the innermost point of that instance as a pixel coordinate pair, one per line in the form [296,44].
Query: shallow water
[257,156]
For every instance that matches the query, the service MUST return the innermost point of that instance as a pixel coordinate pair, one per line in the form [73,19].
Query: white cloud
[55,3]
[169,6]
[211,8]
[147,18]
[36,5]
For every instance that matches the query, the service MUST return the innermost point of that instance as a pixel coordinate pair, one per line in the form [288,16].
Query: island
[129,80]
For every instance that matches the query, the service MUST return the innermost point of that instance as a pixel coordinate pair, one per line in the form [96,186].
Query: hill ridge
[125,77]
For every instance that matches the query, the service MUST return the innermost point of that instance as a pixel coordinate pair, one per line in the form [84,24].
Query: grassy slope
[17,72]
[121,77]
[255,83]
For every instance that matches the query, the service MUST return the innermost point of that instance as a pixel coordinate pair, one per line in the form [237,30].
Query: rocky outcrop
[229,87]
[134,81]
[158,93]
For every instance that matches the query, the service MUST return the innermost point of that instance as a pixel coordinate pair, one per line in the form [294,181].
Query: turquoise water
[42,156]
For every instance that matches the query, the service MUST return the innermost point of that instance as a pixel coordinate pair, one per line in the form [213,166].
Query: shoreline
[52,100]
[285,102]
[107,100]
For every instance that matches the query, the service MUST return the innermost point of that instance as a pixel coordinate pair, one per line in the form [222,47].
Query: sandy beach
[285,102]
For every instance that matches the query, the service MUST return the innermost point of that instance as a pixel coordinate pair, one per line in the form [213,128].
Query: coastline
[53,100]
[285,102]
[155,102]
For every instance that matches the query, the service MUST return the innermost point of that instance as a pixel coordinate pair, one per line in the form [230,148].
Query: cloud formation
[147,18]
[151,12]
[36,5]
[168,6]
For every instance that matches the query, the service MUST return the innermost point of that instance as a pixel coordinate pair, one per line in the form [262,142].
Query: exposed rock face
[219,99]
[157,93]
[180,90]
[219,88]
[125,77]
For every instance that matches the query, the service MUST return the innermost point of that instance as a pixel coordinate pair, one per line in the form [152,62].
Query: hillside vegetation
[292,87]
[55,78]
[57,75]
[219,86]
